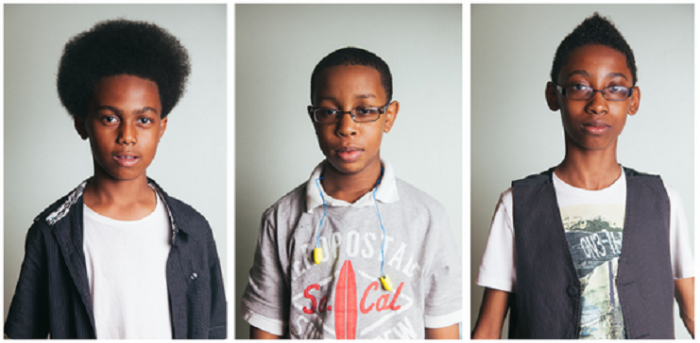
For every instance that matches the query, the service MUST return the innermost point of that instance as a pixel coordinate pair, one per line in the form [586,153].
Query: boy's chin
[112,176]
[347,169]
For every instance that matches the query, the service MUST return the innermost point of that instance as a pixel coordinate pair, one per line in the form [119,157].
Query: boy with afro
[118,257]
[588,249]
[354,252]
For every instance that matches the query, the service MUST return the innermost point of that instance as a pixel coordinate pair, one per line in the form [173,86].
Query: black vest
[547,298]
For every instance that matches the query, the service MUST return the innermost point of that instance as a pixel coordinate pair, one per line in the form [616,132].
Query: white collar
[386,192]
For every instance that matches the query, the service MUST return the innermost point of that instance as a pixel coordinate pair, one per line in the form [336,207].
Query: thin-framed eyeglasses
[578,91]
[359,115]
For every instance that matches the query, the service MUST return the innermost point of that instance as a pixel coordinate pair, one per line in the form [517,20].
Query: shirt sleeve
[497,269]
[265,303]
[29,313]
[682,262]
[443,276]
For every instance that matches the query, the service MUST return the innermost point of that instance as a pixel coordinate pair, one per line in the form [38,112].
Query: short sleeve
[29,313]
[443,276]
[682,262]
[265,302]
[497,269]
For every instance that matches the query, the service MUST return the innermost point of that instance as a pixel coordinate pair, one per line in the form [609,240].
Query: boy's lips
[126,160]
[595,127]
[349,154]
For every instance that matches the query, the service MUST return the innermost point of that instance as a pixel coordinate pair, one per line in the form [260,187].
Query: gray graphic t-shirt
[593,222]
[342,297]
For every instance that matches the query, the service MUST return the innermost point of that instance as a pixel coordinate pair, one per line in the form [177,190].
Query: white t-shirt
[126,263]
[497,268]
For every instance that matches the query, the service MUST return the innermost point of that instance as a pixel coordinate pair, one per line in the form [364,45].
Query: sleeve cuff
[273,326]
[686,275]
[495,283]
[434,322]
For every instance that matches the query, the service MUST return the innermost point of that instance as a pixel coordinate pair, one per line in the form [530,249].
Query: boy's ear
[551,95]
[636,97]
[79,124]
[163,125]
[391,112]
[309,110]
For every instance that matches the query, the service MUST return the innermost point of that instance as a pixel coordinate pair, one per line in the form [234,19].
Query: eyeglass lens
[360,115]
[578,92]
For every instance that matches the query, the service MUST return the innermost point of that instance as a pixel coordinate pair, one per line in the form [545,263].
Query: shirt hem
[433,322]
[273,326]
[485,281]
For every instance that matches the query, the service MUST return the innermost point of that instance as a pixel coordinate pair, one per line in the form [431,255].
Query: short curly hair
[593,30]
[354,56]
[117,47]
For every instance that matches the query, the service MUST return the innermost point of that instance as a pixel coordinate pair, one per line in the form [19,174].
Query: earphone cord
[374,195]
[325,209]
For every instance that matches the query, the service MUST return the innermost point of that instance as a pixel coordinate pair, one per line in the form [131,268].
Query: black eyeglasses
[359,115]
[578,91]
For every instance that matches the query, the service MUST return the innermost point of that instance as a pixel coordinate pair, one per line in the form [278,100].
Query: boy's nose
[127,134]
[346,125]
[597,104]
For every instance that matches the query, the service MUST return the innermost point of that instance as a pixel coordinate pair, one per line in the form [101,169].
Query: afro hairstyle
[593,30]
[354,56]
[118,47]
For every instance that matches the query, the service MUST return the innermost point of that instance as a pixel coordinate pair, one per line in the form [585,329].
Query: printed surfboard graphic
[346,303]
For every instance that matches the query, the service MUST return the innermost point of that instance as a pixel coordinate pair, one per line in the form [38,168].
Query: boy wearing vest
[354,252]
[117,257]
[588,249]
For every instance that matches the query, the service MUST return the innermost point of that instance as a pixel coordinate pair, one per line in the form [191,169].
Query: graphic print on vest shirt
[594,234]
[342,297]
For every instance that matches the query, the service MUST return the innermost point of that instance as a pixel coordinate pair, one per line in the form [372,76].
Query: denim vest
[547,298]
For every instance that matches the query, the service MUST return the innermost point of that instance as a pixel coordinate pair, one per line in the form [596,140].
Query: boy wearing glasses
[588,249]
[354,252]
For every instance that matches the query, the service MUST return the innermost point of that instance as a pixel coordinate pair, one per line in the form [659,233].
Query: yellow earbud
[386,283]
[318,255]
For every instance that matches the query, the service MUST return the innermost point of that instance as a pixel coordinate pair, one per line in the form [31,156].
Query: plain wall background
[514,134]
[277,47]
[45,158]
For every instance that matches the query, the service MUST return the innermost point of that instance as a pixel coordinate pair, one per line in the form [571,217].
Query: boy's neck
[589,169]
[120,199]
[350,187]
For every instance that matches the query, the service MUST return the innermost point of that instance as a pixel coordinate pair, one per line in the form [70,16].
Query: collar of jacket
[76,197]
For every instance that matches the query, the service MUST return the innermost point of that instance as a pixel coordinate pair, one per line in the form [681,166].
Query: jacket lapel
[69,235]
[177,285]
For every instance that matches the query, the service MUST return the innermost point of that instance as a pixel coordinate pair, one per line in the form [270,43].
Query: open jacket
[53,296]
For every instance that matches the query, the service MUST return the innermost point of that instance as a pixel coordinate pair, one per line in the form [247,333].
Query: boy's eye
[616,89]
[145,120]
[617,92]
[326,112]
[109,119]
[578,91]
[366,111]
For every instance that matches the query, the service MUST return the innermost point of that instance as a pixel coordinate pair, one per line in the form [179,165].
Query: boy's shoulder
[534,179]
[413,198]
[629,172]
[183,215]
[60,208]
[292,202]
